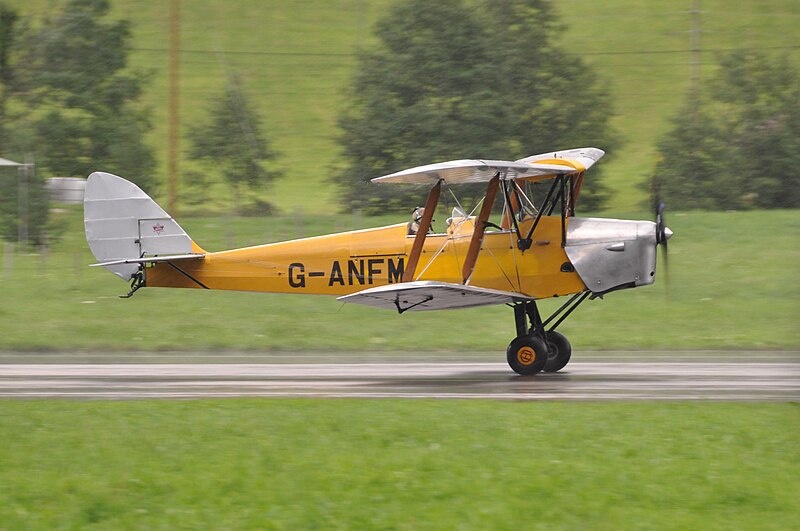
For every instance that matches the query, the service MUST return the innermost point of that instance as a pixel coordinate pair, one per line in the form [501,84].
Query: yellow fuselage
[344,263]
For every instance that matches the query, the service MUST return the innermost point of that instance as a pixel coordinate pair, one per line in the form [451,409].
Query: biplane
[537,248]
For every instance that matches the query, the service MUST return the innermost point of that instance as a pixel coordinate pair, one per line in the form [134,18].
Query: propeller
[662,235]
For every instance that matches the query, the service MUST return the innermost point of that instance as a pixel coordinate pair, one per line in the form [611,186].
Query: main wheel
[559,351]
[527,354]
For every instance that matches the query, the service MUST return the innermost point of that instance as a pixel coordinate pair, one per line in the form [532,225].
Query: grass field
[344,464]
[732,284]
[296,59]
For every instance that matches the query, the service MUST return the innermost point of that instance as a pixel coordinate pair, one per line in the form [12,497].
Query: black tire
[559,352]
[527,354]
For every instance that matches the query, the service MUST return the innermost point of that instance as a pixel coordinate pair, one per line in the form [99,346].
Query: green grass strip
[398,464]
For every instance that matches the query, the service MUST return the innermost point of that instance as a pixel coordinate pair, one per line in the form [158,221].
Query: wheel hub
[526,355]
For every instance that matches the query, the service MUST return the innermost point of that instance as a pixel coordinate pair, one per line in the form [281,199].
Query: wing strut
[526,243]
[510,208]
[480,229]
[422,232]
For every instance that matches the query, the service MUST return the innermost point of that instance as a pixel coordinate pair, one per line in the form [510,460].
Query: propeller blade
[662,235]
[661,226]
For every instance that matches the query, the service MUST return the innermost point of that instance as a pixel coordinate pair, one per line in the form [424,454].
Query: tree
[739,144]
[71,102]
[81,100]
[487,83]
[694,169]
[232,141]
[8,21]
[24,199]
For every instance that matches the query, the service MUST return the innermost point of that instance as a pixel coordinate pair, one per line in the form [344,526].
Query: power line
[353,54]
[689,50]
[682,13]
[628,15]
[696,48]
[250,52]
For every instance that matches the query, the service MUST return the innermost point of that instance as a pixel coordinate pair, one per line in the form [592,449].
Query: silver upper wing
[469,171]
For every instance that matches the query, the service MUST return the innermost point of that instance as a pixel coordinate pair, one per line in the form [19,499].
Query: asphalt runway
[741,376]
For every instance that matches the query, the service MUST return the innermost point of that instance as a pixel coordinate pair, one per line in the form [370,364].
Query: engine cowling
[612,254]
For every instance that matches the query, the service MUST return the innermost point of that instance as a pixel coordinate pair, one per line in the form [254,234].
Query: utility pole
[173,150]
[23,204]
[359,23]
[696,49]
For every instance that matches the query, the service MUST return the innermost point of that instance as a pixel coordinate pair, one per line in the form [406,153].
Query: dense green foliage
[296,58]
[232,143]
[24,202]
[79,101]
[397,464]
[8,22]
[67,103]
[454,80]
[24,206]
[739,144]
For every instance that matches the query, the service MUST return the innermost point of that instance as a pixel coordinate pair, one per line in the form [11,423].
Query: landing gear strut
[536,348]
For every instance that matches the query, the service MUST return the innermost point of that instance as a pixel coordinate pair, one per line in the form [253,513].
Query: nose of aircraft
[662,232]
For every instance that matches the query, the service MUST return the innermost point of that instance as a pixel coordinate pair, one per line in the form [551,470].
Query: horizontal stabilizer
[431,295]
[149,259]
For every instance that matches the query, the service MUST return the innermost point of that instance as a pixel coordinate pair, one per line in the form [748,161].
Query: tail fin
[122,222]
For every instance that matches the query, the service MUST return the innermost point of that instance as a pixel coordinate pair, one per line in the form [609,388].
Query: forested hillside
[296,59]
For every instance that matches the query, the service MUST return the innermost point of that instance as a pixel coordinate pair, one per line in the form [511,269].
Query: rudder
[123,222]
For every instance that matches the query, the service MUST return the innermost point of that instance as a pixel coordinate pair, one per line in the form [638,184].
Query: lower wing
[431,295]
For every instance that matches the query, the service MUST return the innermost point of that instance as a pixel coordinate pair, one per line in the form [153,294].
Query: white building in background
[10,163]
[66,189]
